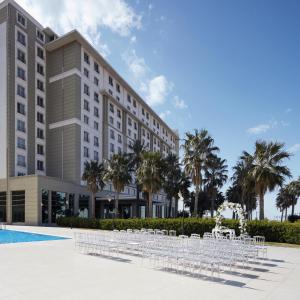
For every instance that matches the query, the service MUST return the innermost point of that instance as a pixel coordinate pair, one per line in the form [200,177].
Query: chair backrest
[172,232]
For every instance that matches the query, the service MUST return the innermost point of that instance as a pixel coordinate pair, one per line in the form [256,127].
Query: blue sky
[232,67]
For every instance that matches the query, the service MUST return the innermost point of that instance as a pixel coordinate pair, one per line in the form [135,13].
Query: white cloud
[157,90]
[288,110]
[150,7]
[295,148]
[164,114]
[136,65]
[262,128]
[87,17]
[179,103]
[133,39]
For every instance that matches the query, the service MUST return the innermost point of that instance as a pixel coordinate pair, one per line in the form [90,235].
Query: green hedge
[273,231]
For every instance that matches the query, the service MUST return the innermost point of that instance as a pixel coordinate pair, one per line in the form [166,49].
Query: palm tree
[215,177]
[135,158]
[93,175]
[198,150]
[266,168]
[172,174]
[150,176]
[283,201]
[119,175]
[294,190]
[245,185]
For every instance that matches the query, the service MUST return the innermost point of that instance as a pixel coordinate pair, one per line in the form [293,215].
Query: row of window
[21,162]
[21,89]
[22,128]
[86,153]
[86,138]
[86,58]
[112,136]
[21,144]
[86,106]
[22,57]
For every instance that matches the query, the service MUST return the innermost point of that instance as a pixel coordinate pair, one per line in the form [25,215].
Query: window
[119,138]
[129,132]
[21,161]
[154,140]
[40,101]
[86,72]
[111,120]
[96,97]
[154,122]
[96,155]
[111,107]
[21,73]
[148,135]
[86,105]
[86,119]
[147,116]
[21,91]
[96,112]
[21,56]
[40,117]
[21,38]
[129,121]
[135,136]
[135,125]
[86,89]
[21,143]
[40,35]
[112,134]
[134,103]
[40,133]
[119,113]
[118,88]
[96,125]
[112,148]
[143,112]
[40,52]
[128,98]
[40,85]
[21,19]
[21,108]
[96,141]
[118,98]
[143,131]
[119,150]
[119,125]
[96,81]
[86,152]
[110,81]
[86,137]
[86,58]
[40,69]
[40,165]
[96,67]
[40,149]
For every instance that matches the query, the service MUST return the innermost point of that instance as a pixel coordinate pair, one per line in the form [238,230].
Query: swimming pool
[12,236]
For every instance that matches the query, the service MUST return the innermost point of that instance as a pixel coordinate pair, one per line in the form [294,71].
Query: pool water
[12,236]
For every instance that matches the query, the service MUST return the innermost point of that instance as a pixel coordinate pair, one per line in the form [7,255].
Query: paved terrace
[53,270]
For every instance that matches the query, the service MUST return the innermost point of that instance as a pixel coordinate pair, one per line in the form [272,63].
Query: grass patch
[282,245]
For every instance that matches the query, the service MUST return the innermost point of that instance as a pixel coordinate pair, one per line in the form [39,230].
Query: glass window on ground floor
[18,206]
[2,206]
[45,206]
[70,205]
[83,206]
[58,205]
[143,211]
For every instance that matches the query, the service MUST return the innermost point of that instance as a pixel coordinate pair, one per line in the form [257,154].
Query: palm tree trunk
[261,206]
[117,205]
[150,206]
[196,201]
[285,213]
[212,204]
[170,207]
[176,207]
[233,215]
[293,207]
[92,213]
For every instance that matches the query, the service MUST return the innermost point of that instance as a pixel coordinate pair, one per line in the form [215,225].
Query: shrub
[274,231]
[293,218]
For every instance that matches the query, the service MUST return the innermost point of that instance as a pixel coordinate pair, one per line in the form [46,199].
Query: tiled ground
[53,270]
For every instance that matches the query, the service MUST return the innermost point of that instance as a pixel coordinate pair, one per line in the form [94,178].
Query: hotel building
[62,104]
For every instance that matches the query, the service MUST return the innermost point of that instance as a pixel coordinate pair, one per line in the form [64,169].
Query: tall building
[61,103]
